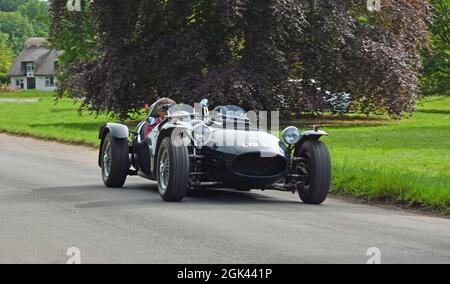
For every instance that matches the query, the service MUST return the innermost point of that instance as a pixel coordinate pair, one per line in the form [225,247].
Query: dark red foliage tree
[261,54]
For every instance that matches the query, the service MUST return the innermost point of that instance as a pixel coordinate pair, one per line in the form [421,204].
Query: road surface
[52,198]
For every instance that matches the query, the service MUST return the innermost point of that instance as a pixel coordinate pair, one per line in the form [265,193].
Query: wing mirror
[205,103]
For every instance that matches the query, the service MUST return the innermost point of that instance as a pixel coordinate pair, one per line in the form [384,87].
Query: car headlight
[291,135]
[201,133]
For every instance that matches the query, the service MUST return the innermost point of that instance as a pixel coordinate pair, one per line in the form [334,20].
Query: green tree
[37,13]
[242,52]
[436,72]
[18,29]
[10,5]
[6,58]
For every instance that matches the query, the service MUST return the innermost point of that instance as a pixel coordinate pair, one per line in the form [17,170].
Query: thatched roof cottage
[35,67]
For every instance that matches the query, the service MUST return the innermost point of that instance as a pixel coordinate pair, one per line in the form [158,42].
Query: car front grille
[255,165]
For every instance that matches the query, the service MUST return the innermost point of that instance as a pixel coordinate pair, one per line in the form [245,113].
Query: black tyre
[316,165]
[114,161]
[172,170]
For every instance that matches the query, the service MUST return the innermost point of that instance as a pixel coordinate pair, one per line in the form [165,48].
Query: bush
[7,89]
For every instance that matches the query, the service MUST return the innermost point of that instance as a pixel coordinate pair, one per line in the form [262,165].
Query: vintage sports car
[190,148]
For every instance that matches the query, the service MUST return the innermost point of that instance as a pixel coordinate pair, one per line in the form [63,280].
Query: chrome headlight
[201,133]
[291,135]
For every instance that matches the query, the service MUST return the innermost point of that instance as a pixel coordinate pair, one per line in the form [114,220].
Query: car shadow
[144,194]
[218,195]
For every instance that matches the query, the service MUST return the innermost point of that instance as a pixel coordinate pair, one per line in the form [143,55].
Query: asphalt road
[52,198]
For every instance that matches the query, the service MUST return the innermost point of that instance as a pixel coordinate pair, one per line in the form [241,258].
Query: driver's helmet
[162,104]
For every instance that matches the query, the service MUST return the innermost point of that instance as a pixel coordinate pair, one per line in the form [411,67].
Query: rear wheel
[114,161]
[315,166]
[172,171]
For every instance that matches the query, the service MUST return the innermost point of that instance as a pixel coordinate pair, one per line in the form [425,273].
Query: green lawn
[406,162]
[27,94]
[48,119]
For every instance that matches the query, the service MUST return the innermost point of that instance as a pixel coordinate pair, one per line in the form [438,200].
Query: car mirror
[204,103]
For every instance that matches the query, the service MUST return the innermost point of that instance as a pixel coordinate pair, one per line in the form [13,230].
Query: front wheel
[114,161]
[172,171]
[315,166]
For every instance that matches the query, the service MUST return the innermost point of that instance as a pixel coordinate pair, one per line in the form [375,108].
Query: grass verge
[406,162]
[49,119]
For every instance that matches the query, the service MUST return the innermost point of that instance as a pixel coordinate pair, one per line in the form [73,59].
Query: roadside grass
[50,120]
[404,162]
[27,94]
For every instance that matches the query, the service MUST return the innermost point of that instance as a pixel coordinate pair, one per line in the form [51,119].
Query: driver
[162,107]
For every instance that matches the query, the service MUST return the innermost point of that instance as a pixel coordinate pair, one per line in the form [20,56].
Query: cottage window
[31,67]
[20,83]
[49,82]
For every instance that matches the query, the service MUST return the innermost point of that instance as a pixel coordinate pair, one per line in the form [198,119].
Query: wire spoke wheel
[303,169]
[114,161]
[164,170]
[172,168]
[107,158]
[314,167]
